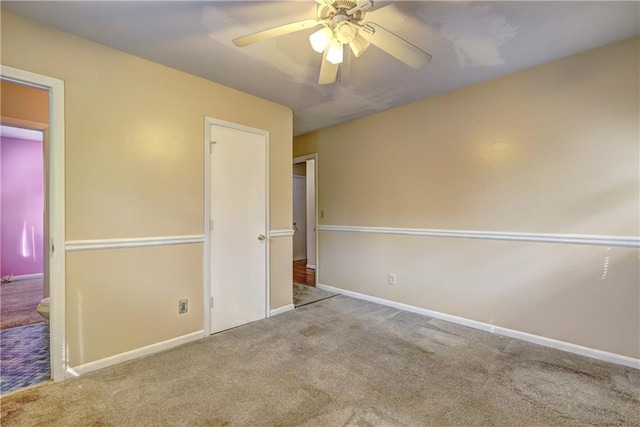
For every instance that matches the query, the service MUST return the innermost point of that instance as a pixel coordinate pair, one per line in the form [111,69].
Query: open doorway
[21,226]
[31,225]
[304,232]
[36,102]
[24,329]
[304,220]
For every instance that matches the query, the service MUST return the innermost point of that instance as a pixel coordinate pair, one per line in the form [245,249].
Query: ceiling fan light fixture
[358,45]
[320,39]
[342,22]
[334,54]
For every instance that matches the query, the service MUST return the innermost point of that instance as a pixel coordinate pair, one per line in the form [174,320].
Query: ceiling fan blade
[395,45]
[328,71]
[275,32]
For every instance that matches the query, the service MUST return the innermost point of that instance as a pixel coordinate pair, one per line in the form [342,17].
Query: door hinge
[210,224]
[210,302]
[211,146]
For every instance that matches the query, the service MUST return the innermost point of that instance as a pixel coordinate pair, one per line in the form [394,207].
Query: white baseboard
[133,354]
[281,310]
[27,277]
[313,267]
[524,336]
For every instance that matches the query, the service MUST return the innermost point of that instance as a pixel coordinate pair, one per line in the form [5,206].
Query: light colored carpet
[339,362]
[18,302]
[303,294]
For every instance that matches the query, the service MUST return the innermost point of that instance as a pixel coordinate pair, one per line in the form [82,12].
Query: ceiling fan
[343,24]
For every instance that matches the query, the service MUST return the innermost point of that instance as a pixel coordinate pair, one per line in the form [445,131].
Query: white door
[238,212]
[299,218]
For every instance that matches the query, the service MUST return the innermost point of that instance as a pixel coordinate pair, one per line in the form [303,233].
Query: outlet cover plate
[393,279]
[183,306]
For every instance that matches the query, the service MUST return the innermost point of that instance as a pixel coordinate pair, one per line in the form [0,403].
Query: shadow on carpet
[303,294]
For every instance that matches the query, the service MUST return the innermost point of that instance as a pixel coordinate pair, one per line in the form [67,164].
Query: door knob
[261,237]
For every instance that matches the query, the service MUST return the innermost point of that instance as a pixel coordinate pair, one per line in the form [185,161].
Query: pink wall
[21,198]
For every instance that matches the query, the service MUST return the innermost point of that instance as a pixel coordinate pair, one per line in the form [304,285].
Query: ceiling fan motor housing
[343,17]
[328,10]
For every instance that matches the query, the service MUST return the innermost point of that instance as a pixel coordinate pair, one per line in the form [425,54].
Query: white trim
[281,233]
[267,194]
[135,242]
[281,310]
[312,267]
[56,209]
[27,277]
[134,354]
[206,217]
[575,239]
[208,121]
[498,330]
[302,159]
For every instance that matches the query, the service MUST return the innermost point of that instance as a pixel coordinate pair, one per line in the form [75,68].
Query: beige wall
[551,149]
[306,144]
[134,168]
[107,290]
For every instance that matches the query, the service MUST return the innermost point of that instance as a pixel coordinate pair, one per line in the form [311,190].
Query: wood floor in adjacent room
[302,274]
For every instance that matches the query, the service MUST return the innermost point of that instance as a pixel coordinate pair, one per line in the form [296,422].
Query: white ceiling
[469,41]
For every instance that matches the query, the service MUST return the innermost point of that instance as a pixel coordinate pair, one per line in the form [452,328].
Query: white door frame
[56,204]
[208,121]
[301,159]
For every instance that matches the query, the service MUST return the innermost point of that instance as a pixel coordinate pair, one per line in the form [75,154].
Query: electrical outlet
[183,305]
[393,279]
